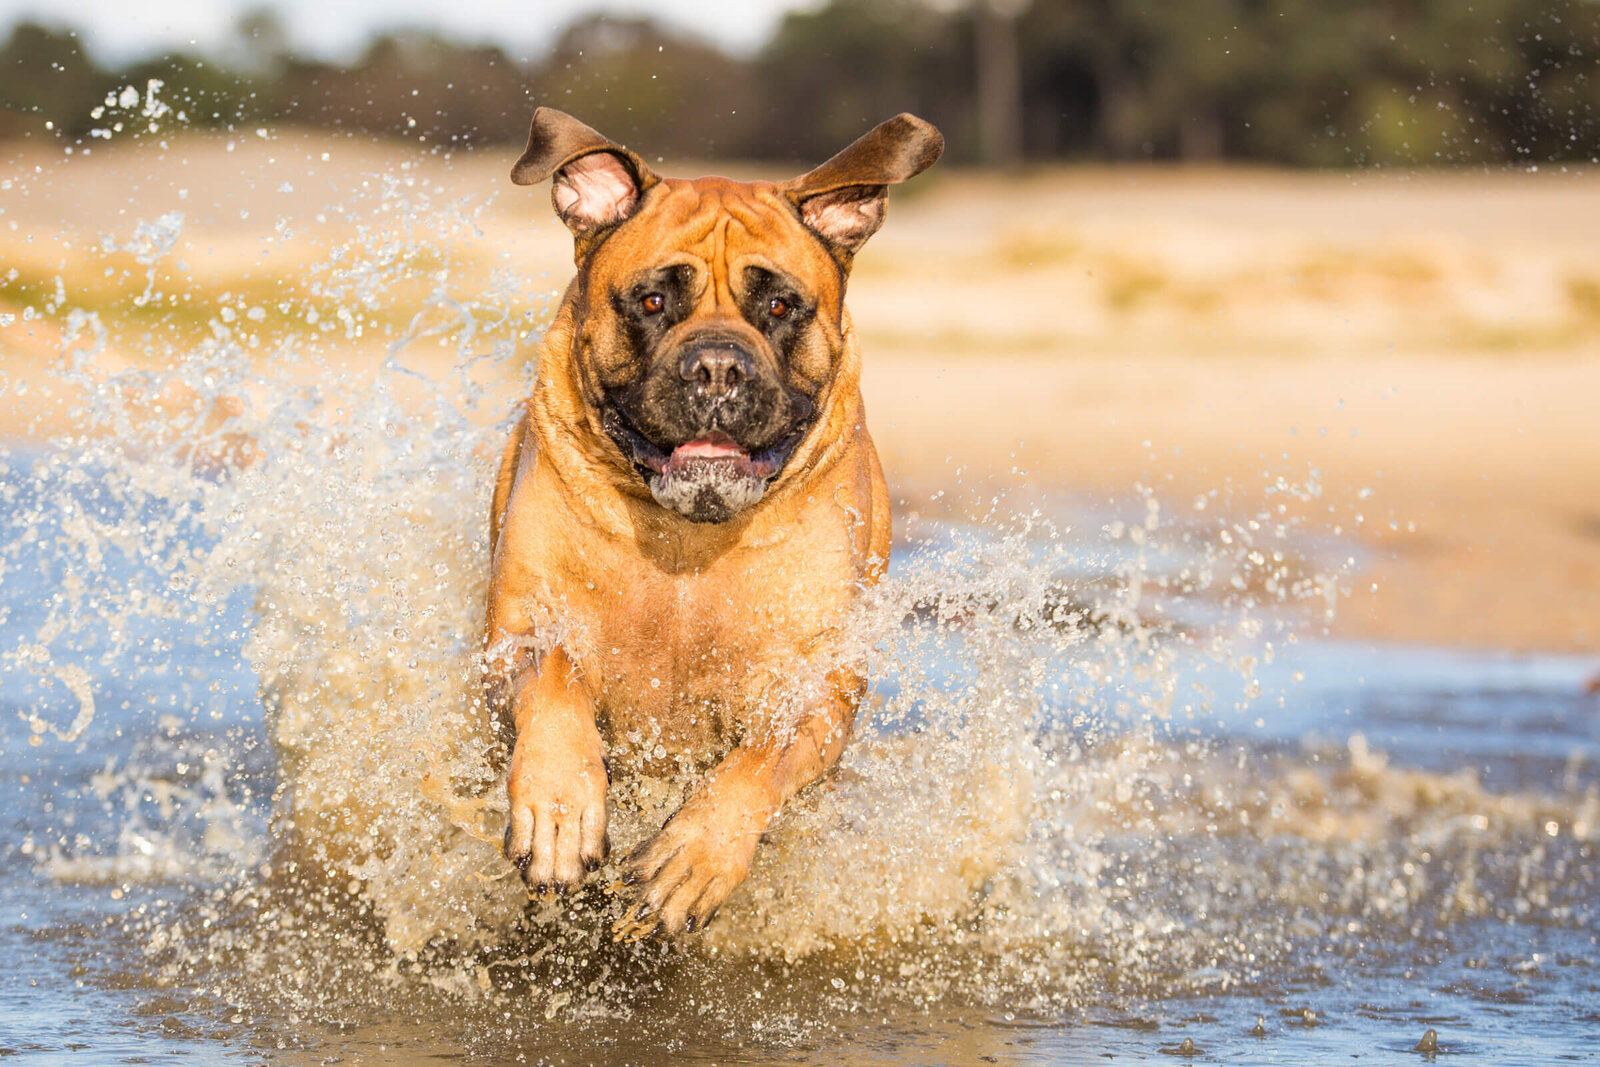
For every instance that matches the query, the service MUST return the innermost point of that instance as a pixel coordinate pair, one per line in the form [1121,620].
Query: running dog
[686,511]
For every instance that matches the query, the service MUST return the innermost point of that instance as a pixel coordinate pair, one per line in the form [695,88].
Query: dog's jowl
[687,509]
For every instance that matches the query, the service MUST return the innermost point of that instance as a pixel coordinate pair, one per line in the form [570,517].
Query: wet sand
[1426,347]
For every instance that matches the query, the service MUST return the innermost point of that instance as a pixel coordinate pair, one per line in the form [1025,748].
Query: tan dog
[687,511]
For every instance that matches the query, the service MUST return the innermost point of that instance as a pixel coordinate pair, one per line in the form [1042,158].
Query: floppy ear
[598,183]
[844,200]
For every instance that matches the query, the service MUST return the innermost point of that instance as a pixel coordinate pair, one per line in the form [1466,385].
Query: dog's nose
[716,369]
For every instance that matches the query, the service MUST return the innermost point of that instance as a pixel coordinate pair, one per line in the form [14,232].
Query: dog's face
[708,324]
[711,330]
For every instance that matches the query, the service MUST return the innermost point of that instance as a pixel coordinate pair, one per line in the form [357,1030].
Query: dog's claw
[633,929]
[679,877]
[637,923]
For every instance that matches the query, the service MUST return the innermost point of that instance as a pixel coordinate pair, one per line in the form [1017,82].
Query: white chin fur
[707,490]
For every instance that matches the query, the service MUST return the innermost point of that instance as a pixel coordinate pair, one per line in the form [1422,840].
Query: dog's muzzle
[710,477]
[710,426]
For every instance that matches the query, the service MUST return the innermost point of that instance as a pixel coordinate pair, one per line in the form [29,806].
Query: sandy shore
[1429,344]
[1472,483]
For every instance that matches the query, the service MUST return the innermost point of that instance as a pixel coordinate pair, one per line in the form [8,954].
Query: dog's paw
[682,875]
[556,832]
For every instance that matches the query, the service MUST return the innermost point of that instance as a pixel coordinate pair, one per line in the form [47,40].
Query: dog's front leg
[557,826]
[702,854]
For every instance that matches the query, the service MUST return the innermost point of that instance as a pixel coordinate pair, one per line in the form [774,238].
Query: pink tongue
[718,447]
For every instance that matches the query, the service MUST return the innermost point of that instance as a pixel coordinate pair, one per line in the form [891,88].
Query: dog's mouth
[709,478]
[650,459]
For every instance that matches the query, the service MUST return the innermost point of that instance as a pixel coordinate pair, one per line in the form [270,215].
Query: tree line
[1298,82]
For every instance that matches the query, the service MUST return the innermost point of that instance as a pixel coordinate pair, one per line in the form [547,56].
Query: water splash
[1058,793]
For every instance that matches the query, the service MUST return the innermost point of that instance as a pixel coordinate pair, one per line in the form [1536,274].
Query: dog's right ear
[597,182]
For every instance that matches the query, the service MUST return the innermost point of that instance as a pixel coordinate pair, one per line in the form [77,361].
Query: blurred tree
[208,94]
[830,74]
[661,92]
[1292,97]
[1494,80]
[999,77]
[262,43]
[45,77]
[1308,82]
[1085,65]
[412,83]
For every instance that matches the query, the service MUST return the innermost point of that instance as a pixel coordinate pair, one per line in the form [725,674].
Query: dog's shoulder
[510,462]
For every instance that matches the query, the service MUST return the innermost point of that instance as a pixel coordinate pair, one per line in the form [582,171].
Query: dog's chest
[690,662]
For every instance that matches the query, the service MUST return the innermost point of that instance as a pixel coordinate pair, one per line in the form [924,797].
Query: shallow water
[1390,839]
[1115,788]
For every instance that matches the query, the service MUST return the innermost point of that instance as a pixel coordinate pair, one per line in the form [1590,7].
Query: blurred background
[1221,253]
[1237,380]
[1302,83]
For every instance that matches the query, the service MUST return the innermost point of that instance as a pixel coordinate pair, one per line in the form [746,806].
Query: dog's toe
[550,856]
[557,821]
[677,885]
[638,922]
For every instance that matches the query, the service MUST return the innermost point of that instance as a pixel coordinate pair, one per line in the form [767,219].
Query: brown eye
[653,304]
[777,307]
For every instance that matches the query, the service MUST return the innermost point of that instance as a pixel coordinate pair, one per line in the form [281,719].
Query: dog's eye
[777,307]
[653,303]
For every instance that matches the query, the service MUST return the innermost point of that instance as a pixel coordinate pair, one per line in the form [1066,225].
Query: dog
[686,511]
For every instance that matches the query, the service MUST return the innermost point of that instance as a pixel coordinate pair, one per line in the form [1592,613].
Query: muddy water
[1114,791]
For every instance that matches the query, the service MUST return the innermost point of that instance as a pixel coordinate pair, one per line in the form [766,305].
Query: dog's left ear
[598,183]
[844,200]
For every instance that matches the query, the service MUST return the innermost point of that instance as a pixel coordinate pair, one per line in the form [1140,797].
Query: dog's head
[707,312]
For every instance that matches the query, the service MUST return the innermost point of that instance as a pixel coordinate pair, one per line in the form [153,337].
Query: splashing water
[243,603]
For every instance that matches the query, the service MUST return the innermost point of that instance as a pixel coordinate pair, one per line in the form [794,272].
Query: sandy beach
[1424,346]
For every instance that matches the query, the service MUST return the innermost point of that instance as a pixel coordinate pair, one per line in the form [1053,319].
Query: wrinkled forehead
[722,225]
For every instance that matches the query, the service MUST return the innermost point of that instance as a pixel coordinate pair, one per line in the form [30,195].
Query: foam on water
[1055,795]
